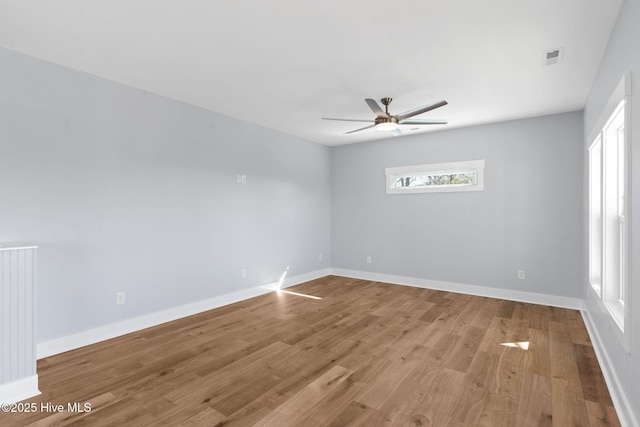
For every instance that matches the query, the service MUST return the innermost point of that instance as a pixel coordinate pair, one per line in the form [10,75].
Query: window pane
[460,176]
[432,179]
[595,215]
[614,208]
[621,212]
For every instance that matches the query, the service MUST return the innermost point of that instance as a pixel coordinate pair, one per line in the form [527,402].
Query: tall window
[608,209]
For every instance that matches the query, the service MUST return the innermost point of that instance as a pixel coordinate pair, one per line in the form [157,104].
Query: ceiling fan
[388,122]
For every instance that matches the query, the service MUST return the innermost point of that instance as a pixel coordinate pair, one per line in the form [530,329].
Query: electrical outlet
[239,179]
[120,298]
[368,260]
[521,275]
[243,273]
[244,179]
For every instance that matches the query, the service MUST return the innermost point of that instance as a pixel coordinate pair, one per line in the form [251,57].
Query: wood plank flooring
[365,354]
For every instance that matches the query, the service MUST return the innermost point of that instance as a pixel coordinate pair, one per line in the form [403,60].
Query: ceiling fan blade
[349,120]
[375,108]
[358,130]
[423,122]
[420,110]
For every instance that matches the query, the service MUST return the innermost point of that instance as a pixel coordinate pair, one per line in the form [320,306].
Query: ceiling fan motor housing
[390,119]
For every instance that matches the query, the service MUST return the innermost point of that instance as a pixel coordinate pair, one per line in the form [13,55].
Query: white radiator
[18,376]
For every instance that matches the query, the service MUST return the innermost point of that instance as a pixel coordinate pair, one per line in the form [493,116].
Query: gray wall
[622,55]
[128,191]
[528,216]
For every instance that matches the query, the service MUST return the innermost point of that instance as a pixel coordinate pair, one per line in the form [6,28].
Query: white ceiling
[284,64]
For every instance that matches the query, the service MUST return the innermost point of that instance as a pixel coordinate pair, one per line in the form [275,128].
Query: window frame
[613,217]
[394,173]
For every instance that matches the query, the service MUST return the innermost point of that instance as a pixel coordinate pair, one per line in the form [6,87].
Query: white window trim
[619,315]
[392,174]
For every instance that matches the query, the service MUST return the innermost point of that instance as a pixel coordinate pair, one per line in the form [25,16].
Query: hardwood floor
[365,354]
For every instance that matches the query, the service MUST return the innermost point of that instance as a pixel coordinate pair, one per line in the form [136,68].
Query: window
[455,176]
[595,216]
[608,207]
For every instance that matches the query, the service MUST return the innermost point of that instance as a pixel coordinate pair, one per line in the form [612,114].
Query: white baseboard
[521,296]
[92,336]
[618,396]
[16,391]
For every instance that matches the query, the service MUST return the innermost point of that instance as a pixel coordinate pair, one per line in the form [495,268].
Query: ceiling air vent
[552,57]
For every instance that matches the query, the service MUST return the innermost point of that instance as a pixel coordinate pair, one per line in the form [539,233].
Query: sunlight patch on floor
[524,345]
[295,293]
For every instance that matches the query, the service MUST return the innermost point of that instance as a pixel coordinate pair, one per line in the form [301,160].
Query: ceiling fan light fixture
[387,126]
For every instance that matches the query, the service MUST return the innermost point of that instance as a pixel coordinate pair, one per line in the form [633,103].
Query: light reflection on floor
[524,345]
[300,295]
